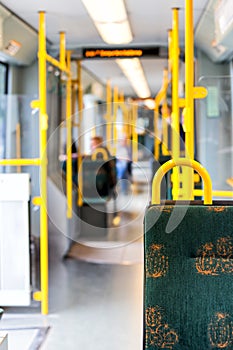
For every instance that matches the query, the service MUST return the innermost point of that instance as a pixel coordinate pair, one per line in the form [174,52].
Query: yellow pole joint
[38,296]
[37,201]
[35,104]
[199,92]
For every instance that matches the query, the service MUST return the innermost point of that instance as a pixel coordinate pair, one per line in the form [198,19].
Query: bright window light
[110,19]
[132,69]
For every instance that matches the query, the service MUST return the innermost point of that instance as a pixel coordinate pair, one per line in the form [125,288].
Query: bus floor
[91,305]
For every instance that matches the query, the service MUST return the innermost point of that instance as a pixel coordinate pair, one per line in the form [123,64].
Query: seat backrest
[188,274]
[188,278]
[99,177]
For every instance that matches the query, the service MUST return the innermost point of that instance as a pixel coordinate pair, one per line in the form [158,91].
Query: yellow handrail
[109,115]
[43,170]
[170,50]
[22,161]
[134,132]
[56,63]
[198,192]
[18,145]
[80,118]
[99,150]
[42,295]
[115,108]
[175,99]
[159,97]
[156,184]
[68,137]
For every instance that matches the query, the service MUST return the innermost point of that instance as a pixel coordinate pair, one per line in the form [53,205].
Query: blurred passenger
[108,168]
[97,142]
[124,163]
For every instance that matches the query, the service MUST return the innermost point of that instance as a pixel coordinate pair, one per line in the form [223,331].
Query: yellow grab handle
[156,184]
[100,150]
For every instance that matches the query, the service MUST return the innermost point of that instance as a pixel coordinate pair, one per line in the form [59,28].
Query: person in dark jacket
[107,170]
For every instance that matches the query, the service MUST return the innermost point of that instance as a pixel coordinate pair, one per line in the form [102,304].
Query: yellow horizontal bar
[57,64]
[15,162]
[215,193]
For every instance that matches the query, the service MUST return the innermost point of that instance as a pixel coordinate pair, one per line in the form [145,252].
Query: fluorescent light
[150,103]
[115,33]
[106,10]
[132,69]
[110,19]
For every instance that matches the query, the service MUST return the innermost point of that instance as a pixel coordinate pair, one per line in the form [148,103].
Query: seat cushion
[188,301]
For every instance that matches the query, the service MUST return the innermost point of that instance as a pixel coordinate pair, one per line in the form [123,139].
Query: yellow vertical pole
[170,50]
[109,115]
[165,128]
[73,107]
[127,124]
[175,102]
[18,145]
[80,92]
[43,170]
[135,135]
[122,101]
[115,108]
[159,97]
[80,113]
[68,140]
[62,50]
[125,119]
[156,141]
[189,84]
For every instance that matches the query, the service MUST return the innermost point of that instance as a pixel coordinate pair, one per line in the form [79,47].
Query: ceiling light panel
[110,19]
[106,10]
[115,33]
[132,69]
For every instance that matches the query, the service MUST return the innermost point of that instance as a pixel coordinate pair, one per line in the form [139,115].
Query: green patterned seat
[188,301]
